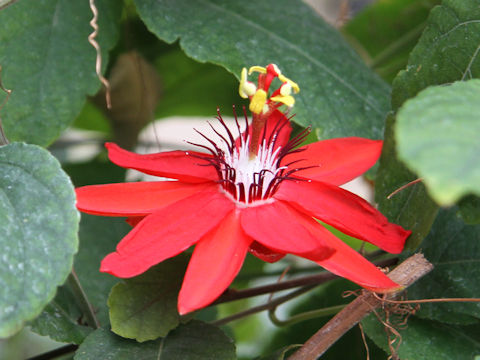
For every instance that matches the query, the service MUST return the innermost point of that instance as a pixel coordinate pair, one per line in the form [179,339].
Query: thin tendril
[98,61]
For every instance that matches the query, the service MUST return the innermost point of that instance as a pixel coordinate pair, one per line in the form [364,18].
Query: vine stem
[308,315]
[404,274]
[82,300]
[269,305]
[233,295]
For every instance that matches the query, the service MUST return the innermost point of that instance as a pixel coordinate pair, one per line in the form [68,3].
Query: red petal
[134,199]
[166,233]
[283,229]
[181,165]
[336,161]
[349,264]
[264,253]
[345,211]
[215,262]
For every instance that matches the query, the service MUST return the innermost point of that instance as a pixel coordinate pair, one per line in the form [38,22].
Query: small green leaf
[453,248]
[339,95]
[447,51]
[193,341]
[38,234]
[411,208]
[49,64]
[145,307]
[427,340]
[437,137]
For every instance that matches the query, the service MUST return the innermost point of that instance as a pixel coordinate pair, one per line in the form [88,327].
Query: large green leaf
[38,234]
[412,207]
[437,137]
[193,341]
[447,51]
[454,249]
[49,64]
[426,340]
[145,307]
[339,95]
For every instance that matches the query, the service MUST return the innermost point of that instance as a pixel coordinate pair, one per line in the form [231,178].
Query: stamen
[250,179]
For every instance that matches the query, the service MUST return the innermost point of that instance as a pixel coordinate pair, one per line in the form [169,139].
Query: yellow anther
[258,101]
[258,69]
[246,88]
[284,99]
[293,84]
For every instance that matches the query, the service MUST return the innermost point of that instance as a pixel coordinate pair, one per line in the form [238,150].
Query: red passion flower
[257,192]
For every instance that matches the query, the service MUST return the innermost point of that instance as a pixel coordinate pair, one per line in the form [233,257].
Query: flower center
[249,179]
[253,177]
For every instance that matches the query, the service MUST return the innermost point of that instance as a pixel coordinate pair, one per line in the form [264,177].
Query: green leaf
[145,307]
[49,64]
[61,319]
[280,354]
[98,237]
[427,340]
[447,51]
[189,85]
[193,341]
[469,208]
[385,33]
[452,247]
[38,234]
[411,208]
[197,341]
[340,96]
[437,137]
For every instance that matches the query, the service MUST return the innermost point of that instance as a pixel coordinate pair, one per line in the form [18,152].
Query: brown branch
[404,274]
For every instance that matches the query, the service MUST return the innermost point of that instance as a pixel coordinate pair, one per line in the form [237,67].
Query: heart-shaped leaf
[38,232]
[437,137]
[145,307]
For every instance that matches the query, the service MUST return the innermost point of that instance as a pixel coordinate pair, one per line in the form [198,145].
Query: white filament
[248,167]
